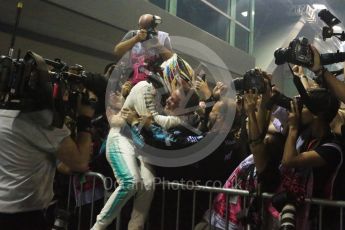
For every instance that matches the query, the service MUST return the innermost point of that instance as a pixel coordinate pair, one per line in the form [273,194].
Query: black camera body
[283,101]
[298,53]
[151,29]
[24,83]
[252,80]
[151,33]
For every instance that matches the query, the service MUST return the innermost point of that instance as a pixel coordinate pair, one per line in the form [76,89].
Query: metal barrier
[95,176]
[194,189]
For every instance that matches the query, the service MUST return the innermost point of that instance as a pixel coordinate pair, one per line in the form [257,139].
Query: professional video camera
[34,83]
[252,79]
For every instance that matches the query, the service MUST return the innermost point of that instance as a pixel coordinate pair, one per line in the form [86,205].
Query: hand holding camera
[86,108]
[141,35]
[298,70]
[316,60]
[250,101]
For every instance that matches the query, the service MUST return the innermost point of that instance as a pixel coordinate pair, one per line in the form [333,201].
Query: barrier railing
[194,188]
[78,197]
[164,186]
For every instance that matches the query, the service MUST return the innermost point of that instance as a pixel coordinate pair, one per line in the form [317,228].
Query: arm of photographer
[266,147]
[128,41]
[262,115]
[256,142]
[133,37]
[76,154]
[335,85]
[291,158]
[298,71]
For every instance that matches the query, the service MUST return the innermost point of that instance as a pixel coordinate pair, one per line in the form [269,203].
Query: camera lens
[281,55]
[287,221]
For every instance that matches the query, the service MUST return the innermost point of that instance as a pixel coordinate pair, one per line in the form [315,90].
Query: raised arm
[128,42]
[336,86]
[76,154]
[291,158]
[255,136]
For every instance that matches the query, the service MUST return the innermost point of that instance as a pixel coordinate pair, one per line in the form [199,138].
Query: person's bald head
[145,21]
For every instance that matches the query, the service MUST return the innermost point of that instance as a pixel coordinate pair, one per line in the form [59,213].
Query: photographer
[147,41]
[312,158]
[30,149]
[261,167]
[149,48]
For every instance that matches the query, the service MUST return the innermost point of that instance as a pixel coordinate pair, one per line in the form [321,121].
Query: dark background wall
[85,31]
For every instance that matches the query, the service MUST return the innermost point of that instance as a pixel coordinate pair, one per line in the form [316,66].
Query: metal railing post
[163,209]
[227,212]
[228,192]
[341,218]
[320,217]
[178,209]
[79,213]
[93,200]
[193,211]
[210,210]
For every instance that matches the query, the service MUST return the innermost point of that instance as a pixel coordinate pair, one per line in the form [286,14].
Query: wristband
[84,124]
[257,141]
[210,99]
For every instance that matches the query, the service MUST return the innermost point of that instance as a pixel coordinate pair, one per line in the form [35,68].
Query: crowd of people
[293,151]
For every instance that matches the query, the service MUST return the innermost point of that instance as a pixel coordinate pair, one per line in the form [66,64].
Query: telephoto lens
[287,217]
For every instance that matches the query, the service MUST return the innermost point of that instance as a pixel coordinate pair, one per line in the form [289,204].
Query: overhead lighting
[319,6]
[244,13]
